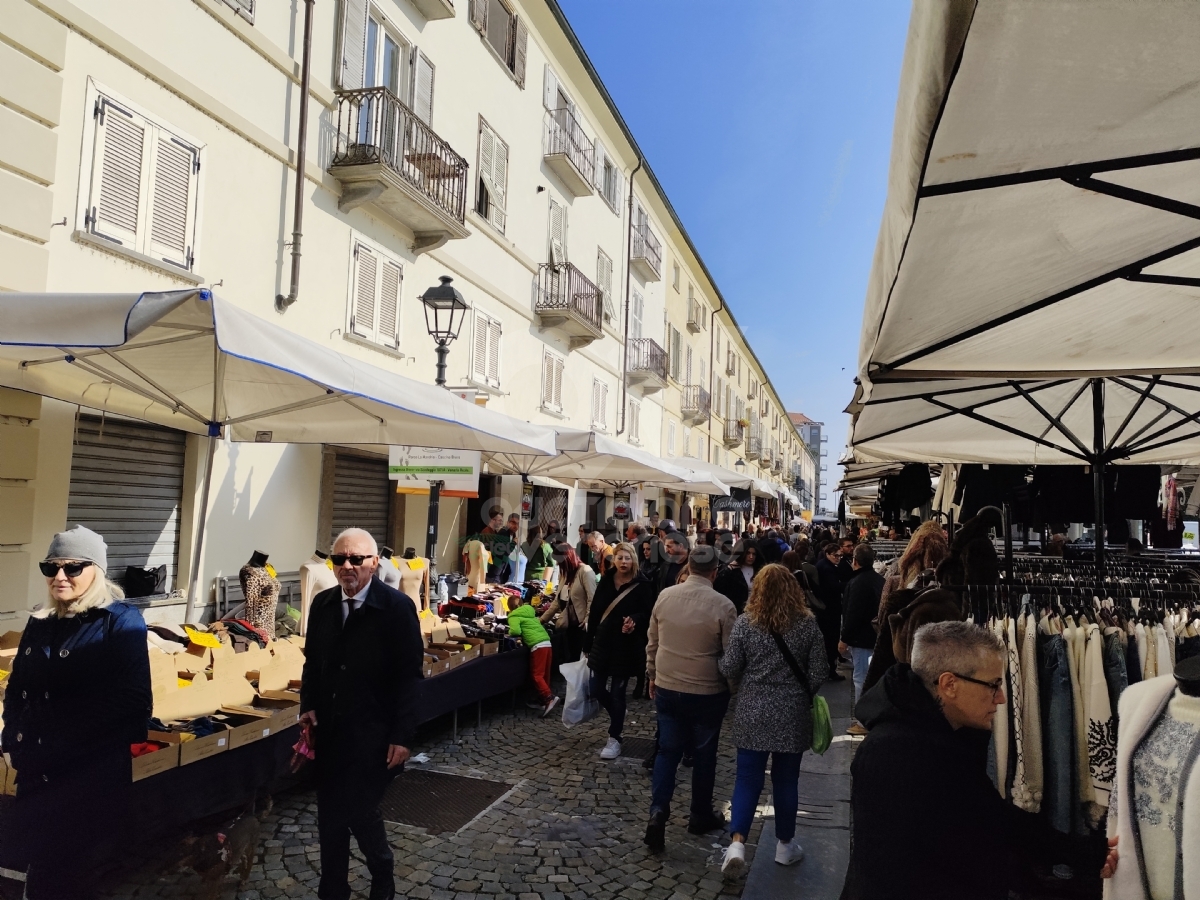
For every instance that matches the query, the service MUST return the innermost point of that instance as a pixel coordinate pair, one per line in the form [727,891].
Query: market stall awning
[192,361]
[727,478]
[588,456]
[1034,287]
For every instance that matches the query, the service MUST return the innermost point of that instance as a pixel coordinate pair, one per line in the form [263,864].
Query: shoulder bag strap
[797,669]
[621,596]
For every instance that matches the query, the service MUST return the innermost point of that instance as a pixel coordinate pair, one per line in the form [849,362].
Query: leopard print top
[262,594]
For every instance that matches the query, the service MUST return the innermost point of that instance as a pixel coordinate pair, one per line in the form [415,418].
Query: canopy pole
[1006,519]
[1098,469]
[214,433]
[431,538]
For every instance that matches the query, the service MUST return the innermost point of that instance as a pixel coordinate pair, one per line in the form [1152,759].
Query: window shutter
[688,369]
[422,90]
[558,373]
[362,314]
[487,151]
[595,403]
[493,370]
[118,167]
[499,186]
[637,312]
[520,51]
[635,423]
[604,405]
[354,44]
[670,438]
[558,232]
[599,157]
[479,349]
[172,201]
[244,8]
[604,282]
[390,281]
[550,89]
[479,15]
[547,380]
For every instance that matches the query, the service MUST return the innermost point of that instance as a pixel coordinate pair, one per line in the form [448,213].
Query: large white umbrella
[192,361]
[1034,287]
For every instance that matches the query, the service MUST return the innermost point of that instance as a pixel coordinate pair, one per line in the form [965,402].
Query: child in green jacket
[523,623]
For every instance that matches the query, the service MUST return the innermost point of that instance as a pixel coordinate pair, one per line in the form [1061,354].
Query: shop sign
[737,501]
[620,505]
[526,501]
[412,468]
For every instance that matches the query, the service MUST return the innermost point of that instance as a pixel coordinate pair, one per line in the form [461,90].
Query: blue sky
[769,124]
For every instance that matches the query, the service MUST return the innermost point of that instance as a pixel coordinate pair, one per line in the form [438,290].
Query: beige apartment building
[150,145]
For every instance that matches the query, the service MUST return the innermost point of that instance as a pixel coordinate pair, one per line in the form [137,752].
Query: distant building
[810,433]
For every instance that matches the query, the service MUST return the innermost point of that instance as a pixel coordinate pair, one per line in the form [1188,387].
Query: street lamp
[445,310]
[740,465]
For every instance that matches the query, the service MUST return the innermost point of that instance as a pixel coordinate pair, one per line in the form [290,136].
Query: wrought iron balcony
[777,464]
[570,153]
[646,365]
[568,301]
[695,405]
[735,433]
[697,316]
[754,441]
[389,158]
[645,254]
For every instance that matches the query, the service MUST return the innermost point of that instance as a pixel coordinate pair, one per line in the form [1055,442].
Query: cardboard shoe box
[198,748]
[154,763]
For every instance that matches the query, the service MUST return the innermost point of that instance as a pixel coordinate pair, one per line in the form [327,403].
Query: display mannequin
[414,578]
[261,591]
[477,557]
[1157,812]
[316,575]
[388,573]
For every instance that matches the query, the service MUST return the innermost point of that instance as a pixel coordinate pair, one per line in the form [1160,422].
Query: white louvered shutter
[604,282]
[493,353]
[366,273]
[354,44]
[547,380]
[487,150]
[244,8]
[479,348]
[637,310]
[172,200]
[558,375]
[596,413]
[598,166]
[520,51]
[391,280]
[688,370]
[119,169]
[558,232]
[479,15]
[496,209]
[422,81]
[635,422]
[603,406]
[550,89]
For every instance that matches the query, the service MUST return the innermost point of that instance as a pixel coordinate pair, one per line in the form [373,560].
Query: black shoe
[704,824]
[836,677]
[656,832]
[687,762]
[648,762]
[385,890]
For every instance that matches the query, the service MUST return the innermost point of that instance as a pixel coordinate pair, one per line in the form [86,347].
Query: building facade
[814,443]
[153,146]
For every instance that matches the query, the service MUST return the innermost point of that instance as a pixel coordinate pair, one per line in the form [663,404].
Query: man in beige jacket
[689,629]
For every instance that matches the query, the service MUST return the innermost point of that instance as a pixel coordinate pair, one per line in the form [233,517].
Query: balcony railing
[374,127]
[777,464]
[570,152]
[735,433]
[647,364]
[696,403]
[754,441]
[566,299]
[645,254]
[696,316]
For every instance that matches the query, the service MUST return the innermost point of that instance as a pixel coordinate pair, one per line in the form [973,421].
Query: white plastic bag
[579,707]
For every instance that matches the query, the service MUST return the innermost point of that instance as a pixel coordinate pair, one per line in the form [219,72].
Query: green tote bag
[822,727]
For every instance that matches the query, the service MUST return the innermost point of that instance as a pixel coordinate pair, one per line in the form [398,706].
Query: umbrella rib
[154,384]
[84,354]
[976,330]
[1187,418]
[971,414]
[1055,421]
[1132,195]
[1166,443]
[94,369]
[1142,395]
[331,397]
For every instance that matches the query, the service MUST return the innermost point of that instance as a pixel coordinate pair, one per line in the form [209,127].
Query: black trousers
[348,803]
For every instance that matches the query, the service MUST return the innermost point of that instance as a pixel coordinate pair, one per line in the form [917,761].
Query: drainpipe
[712,375]
[282,302]
[625,339]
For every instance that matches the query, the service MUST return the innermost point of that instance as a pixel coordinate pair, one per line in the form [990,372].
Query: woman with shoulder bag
[573,600]
[616,638]
[773,717]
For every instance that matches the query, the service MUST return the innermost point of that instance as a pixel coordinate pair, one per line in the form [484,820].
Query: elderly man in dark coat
[362,663]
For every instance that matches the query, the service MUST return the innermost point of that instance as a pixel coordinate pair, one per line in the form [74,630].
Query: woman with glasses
[77,698]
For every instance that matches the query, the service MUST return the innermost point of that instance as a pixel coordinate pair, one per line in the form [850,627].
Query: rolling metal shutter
[361,496]
[127,486]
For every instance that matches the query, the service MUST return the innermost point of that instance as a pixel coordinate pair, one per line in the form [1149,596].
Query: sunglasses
[71,569]
[339,559]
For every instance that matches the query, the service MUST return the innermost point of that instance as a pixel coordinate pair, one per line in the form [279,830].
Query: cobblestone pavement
[571,827]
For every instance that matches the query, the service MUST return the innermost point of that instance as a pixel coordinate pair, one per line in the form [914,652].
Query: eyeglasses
[994,686]
[71,569]
[339,559]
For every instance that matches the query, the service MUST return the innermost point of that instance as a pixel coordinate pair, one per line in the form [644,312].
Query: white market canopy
[587,456]
[188,359]
[1035,287]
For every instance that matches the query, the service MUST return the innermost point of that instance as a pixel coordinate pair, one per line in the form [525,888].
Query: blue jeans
[751,774]
[1058,732]
[612,700]
[862,661]
[1115,672]
[687,722]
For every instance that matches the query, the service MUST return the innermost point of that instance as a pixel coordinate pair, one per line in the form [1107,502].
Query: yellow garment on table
[201,638]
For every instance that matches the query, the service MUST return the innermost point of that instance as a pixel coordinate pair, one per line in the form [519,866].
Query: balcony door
[383,67]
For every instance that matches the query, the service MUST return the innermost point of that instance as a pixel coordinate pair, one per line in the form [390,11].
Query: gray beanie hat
[79,543]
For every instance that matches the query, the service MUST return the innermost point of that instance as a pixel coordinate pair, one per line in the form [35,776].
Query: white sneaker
[611,750]
[553,702]
[788,854]
[733,863]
